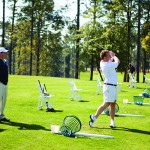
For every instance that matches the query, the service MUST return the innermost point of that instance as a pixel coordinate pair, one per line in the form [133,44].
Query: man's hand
[112,54]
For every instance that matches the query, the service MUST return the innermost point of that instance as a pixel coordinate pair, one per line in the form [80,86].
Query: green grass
[30,128]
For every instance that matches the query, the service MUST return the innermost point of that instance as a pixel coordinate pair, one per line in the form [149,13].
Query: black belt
[110,84]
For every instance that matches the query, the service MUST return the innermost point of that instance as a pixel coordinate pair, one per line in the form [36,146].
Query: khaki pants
[3,97]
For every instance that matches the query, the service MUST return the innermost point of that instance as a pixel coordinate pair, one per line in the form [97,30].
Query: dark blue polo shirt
[3,72]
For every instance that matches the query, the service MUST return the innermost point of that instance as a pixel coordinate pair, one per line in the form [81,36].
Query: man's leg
[98,112]
[1,101]
[112,114]
[3,98]
[5,89]
[101,109]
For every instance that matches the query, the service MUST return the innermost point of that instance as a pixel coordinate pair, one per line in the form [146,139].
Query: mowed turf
[29,127]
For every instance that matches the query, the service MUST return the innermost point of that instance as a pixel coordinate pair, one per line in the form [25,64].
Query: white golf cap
[3,50]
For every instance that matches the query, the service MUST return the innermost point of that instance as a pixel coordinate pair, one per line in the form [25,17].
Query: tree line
[42,41]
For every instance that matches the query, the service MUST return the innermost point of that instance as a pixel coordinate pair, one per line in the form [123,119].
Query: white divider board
[127,115]
[130,115]
[55,129]
[125,101]
[94,135]
[78,134]
[134,103]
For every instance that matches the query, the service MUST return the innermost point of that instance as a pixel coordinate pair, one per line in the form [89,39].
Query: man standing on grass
[3,82]
[108,65]
[131,70]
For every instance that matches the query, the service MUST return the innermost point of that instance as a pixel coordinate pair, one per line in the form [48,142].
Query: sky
[58,4]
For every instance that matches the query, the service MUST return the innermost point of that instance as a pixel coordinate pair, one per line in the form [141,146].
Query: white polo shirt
[109,71]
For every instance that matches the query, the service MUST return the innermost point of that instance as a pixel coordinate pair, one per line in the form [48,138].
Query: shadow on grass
[132,130]
[54,110]
[128,130]
[58,110]
[24,126]
[83,101]
[1,130]
[123,91]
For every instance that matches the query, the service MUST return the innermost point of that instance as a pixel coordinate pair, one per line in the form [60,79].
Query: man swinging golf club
[108,65]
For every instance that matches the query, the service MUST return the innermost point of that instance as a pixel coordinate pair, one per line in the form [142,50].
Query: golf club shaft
[41,86]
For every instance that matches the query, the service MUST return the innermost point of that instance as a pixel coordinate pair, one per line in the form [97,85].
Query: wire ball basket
[71,124]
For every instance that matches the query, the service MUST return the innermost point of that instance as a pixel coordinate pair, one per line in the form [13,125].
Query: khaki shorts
[110,93]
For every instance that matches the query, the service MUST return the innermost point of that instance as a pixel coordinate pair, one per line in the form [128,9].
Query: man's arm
[116,59]
[113,57]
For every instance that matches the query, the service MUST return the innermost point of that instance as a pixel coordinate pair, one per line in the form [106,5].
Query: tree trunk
[38,48]
[138,41]
[98,69]
[126,75]
[144,66]
[31,44]
[67,66]
[11,43]
[77,42]
[3,31]
[92,68]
